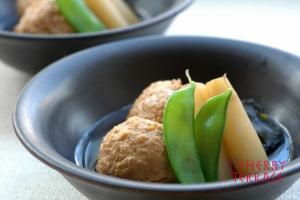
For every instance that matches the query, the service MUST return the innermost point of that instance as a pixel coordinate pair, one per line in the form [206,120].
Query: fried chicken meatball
[135,150]
[151,103]
[22,5]
[43,16]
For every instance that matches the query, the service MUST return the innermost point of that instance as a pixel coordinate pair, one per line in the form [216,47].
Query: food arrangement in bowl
[35,33]
[192,133]
[69,16]
[202,137]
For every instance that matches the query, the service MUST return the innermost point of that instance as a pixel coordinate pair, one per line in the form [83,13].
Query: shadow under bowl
[32,52]
[64,100]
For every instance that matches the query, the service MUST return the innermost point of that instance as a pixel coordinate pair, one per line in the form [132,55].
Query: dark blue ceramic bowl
[64,100]
[31,53]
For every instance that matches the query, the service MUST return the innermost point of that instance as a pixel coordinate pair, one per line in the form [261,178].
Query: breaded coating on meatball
[22,5]
[135,150]
[43,17]
[151,103]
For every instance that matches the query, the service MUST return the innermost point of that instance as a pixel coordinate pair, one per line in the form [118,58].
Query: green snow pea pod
[209,128]
[79,16]
[178,128]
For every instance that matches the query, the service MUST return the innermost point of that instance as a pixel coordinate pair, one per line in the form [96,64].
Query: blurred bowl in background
[31,53]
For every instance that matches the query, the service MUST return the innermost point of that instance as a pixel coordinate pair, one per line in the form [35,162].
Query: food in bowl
[73,16]
[151,103]
[193,133]
[134,150]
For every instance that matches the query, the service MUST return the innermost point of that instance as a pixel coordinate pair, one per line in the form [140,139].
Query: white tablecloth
[270,22]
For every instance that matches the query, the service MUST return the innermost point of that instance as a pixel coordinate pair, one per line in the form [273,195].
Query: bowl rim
[170,13]
[70,169]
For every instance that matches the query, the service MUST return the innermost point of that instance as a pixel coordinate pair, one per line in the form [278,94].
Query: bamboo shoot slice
[242,143]
[201,96]
[225,167]
[126,11]
[108,13]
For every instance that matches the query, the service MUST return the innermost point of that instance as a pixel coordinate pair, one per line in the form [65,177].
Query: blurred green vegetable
[79,16]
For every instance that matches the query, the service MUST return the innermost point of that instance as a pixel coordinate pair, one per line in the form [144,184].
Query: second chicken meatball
[151,103]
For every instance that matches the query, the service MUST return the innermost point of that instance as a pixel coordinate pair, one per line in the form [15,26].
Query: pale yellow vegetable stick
[225,166]
[126,11]
[201,96]
[108,13]
[242,143]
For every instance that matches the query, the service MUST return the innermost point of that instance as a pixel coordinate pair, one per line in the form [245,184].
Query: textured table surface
[267,22]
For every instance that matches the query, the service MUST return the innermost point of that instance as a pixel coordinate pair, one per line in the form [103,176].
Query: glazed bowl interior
[32,52]
[68,97]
